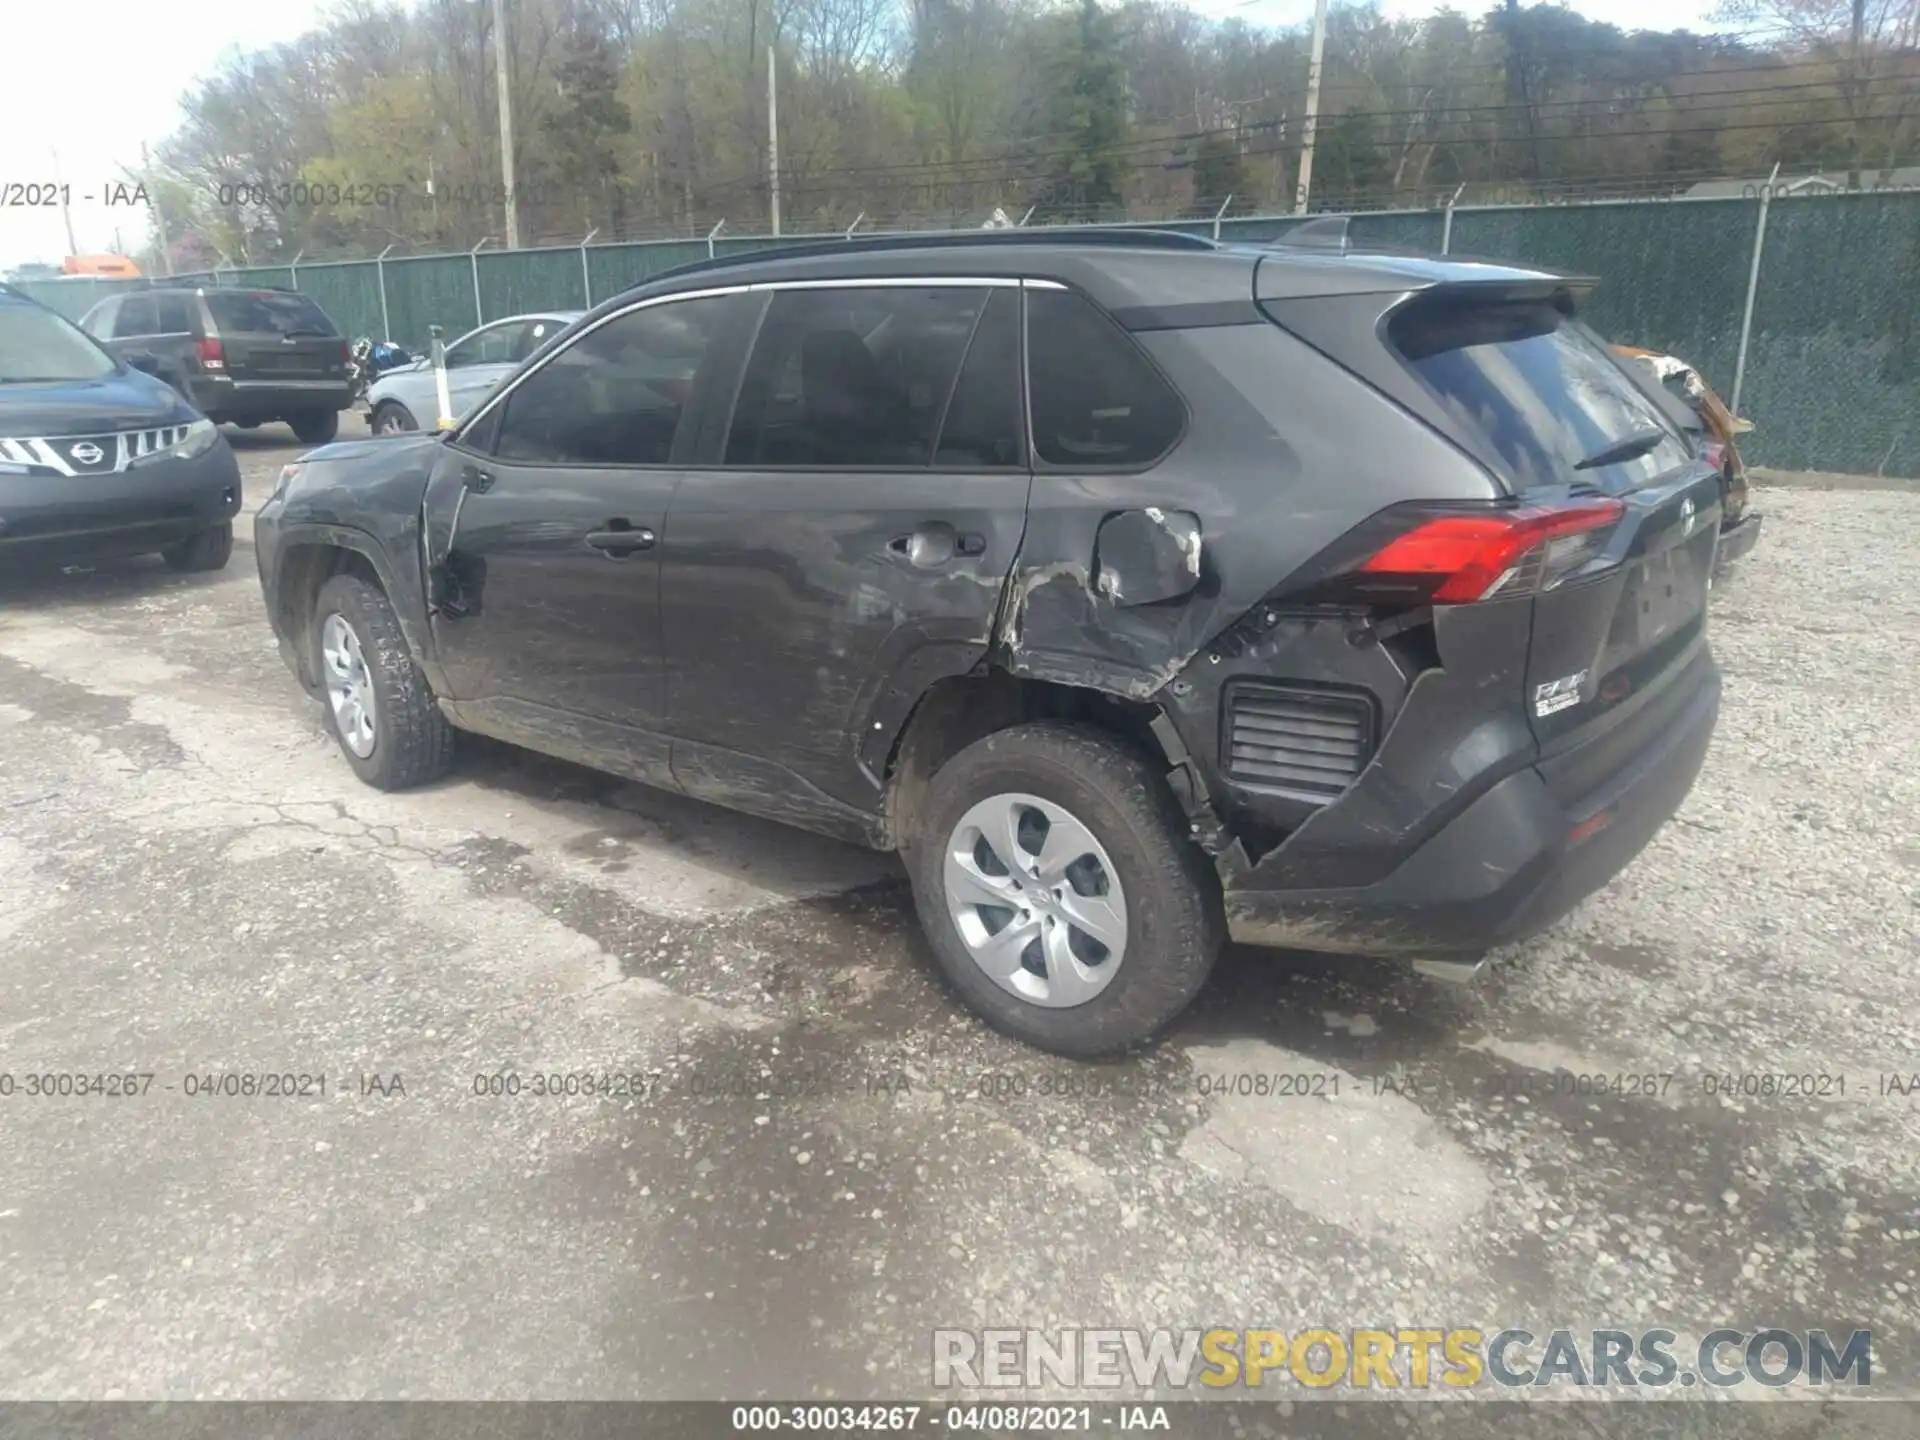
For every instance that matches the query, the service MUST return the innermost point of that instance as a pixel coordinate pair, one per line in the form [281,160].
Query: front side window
[615,396]
[846,378]
[38,345]
[1097,400]
[496,345]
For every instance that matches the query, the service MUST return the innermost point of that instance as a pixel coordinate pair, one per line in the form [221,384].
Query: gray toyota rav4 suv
[1141,591]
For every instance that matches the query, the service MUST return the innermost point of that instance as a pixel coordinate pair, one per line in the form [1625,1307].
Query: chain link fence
[1819,342]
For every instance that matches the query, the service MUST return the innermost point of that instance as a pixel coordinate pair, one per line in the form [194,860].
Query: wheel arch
[955,710]
[310,556]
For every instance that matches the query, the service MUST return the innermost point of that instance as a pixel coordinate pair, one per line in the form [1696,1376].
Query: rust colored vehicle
[1739,522]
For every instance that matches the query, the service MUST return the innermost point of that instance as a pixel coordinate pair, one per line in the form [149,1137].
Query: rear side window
[175,314]
[982,429]
[1541,389]
[267,312]
[852,377]
[1096,399]
[138,316]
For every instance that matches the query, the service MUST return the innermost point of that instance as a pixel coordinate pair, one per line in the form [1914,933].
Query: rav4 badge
[1558,694]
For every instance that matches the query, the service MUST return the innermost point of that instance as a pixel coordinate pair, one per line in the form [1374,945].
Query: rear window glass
[1542,389]
[267,313]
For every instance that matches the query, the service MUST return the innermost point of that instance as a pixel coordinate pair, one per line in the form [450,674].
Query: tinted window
[36,344]
[1097,400]
[852,377]
[614,397]
[138,316]
[1541,388]
[983,427]
[175,314]
[267,312]
[98,321]
[496,345]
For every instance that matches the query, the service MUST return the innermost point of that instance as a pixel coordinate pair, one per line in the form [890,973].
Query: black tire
[208,549]
[413,743]
[394,411]
[1174,920]
[315,427]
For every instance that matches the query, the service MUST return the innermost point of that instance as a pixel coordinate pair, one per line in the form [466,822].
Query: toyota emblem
[1686,517]
[88,453]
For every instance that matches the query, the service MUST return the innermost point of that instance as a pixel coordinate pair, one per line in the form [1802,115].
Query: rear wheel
[207,549]
[1063,900]
[315,427]
[379,706]
[390,417]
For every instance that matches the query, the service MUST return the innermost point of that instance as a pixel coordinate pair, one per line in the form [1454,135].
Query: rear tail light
[1714,453]
[1460,558]
[213,355]
[346,353]
[1420,555]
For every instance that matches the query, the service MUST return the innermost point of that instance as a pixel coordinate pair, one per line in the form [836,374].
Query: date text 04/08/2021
[963,1419]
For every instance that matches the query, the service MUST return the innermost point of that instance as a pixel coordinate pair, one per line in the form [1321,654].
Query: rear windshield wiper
[1632,447]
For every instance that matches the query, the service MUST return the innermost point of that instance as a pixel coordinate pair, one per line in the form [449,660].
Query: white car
[408,398]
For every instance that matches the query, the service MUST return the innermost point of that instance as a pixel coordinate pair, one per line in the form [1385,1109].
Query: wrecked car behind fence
[1331,600]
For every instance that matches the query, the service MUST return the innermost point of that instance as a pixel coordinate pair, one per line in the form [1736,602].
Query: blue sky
[137,57]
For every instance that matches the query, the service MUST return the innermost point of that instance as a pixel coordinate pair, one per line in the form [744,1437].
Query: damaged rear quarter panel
[1284,452]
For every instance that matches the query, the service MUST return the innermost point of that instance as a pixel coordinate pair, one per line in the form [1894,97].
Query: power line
[1168,142]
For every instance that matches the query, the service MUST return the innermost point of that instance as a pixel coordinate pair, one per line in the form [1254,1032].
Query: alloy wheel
[349,685]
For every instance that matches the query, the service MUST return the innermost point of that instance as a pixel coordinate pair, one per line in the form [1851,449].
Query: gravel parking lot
[830,1159]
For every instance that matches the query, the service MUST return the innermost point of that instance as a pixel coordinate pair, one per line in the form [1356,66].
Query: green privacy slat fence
[1833,367]
[1832,377]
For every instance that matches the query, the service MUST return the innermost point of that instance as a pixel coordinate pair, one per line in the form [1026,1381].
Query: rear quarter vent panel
[1301,741]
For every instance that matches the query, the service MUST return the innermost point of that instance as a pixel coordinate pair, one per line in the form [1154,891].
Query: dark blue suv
[100,459]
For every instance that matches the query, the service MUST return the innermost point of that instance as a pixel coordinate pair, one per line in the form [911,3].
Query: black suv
[1141,591]
[241,356]
[97,459]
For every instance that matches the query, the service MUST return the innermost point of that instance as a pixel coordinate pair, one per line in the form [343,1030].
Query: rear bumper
[1506,867]
[130,512]
[226,398]
[1738,538]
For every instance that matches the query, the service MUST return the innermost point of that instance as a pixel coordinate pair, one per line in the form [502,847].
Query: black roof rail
[1117,237]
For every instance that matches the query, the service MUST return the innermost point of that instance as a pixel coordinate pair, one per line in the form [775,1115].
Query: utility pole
[773,143]
[1517,74]
[159,215]
[1309,130]
[506,123]
[1854,89]
[65,214]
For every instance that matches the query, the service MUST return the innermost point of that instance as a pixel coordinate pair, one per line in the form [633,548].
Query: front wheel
[390,417]
[379,706]
[315,427]
[1063,900]
[207,549]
